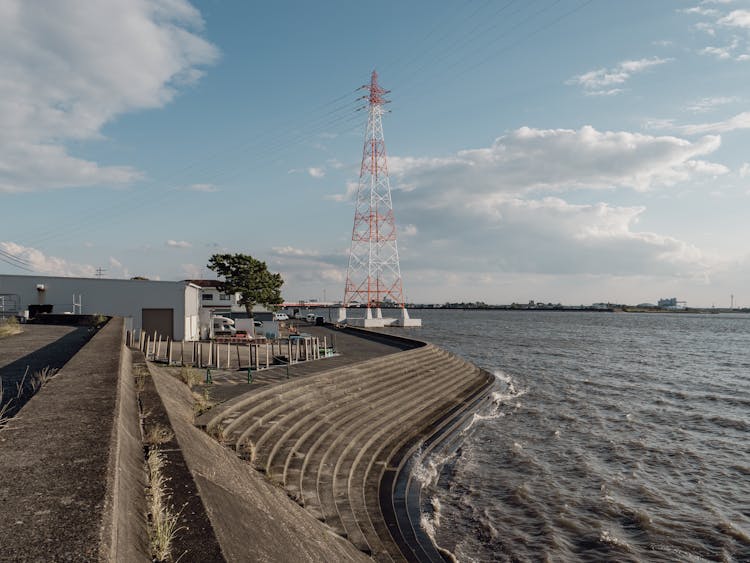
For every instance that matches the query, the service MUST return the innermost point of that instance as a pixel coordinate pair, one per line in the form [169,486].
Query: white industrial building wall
[126,298]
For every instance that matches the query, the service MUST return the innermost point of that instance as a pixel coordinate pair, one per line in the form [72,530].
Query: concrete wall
[124,298]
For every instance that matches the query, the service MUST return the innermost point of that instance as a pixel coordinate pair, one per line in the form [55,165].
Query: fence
[254,355]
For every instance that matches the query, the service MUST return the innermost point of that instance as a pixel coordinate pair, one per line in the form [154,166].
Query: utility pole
[100,272]
[374,274]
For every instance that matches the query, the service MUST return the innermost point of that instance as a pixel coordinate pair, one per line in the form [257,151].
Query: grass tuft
[158,434]
[202,402]
[9,327]
[190,376]
[164,519]
[140,378]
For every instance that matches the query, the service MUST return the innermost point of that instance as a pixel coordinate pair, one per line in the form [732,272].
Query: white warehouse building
[171,308]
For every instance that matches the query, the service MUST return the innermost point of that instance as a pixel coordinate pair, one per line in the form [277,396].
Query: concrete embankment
[337,441]
[337,437]
[71,476]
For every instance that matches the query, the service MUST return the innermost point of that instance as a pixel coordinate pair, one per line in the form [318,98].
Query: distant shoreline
[563,309]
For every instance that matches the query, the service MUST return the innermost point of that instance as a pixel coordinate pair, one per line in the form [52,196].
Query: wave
[503,396]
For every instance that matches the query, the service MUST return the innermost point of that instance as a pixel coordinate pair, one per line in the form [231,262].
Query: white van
[223,325]
[310,318]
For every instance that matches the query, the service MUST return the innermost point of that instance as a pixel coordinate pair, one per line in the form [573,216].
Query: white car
[280,317]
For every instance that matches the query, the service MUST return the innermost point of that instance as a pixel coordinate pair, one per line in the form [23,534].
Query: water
[613,437]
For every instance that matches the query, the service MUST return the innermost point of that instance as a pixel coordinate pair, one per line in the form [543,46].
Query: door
[159,320]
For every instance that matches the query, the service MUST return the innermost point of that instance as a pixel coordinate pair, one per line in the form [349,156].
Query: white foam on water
[606,537]
[499,398]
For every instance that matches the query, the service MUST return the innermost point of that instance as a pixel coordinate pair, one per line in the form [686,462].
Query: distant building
[214,302]
[671,303]
[171,308]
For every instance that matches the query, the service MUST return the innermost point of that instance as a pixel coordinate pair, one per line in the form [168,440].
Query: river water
[612,437]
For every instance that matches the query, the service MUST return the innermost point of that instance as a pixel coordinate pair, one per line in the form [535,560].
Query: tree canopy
[249,277]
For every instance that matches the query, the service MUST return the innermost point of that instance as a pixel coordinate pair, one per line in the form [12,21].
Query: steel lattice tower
[374,275]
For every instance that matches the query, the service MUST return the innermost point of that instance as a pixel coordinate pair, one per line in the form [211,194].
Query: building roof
[205,283]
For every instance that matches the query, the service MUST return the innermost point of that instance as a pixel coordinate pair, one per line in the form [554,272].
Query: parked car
[310,318]
[280,317]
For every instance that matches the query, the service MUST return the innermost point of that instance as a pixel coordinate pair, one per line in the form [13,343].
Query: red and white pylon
[373,277]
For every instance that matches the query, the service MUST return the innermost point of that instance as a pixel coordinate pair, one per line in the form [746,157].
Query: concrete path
[56,454]
[36,348]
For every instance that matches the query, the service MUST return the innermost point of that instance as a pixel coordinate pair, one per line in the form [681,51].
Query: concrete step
[277,442]
[360,456]
[239,410]
[325,455]
[267,415]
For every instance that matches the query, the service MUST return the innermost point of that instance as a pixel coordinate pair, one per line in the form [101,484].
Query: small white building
[216,303]
[171,308]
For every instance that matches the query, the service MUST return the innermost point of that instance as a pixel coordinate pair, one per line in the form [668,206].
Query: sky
[564,151]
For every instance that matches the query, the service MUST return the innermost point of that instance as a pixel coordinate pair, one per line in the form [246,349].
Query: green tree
[249,277]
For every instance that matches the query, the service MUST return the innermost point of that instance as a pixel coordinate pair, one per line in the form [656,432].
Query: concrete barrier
[71,473]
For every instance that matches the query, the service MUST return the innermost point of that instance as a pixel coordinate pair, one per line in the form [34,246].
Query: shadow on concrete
[53,356]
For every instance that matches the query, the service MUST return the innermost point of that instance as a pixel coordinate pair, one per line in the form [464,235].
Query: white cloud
[349,193]
[739,121]
[744,171]
[704,105]
[736,18]
[504,212]
[192,271]
[118,267]
[558,160]
[43,264]
[701,11]
[721,53]
[408,231]
[206,188]
[68,68]
[316,172]
[292,251]
[178,244]
[601,81]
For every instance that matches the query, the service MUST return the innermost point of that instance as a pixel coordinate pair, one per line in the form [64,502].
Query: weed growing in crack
[164,521]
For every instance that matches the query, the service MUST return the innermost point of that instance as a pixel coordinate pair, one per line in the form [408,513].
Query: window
[224,297]
[207,297]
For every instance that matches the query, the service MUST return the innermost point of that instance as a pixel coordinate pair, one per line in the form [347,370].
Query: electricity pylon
[373,277]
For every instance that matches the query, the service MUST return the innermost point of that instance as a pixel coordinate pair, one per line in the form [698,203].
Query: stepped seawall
[340,442]
[316,462]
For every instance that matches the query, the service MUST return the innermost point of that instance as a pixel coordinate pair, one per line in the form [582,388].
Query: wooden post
[157,349]
[239,362]
[249,355]
[145,350]
[289,352]
[229,349]
[257,358]
[200,354]
[267,358]
[169,352]
[182,352]
[325,346]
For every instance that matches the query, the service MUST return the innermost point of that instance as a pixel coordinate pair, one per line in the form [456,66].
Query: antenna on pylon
[373,277]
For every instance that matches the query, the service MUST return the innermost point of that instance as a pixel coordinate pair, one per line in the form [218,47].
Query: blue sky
[569,151]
